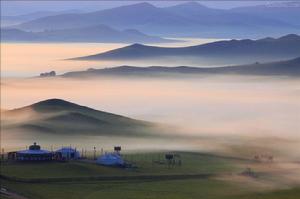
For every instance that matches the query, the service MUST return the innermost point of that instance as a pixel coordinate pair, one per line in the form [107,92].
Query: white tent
[111,159]
[68,153]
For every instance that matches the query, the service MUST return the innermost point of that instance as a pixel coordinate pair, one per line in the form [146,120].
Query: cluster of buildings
[36,154]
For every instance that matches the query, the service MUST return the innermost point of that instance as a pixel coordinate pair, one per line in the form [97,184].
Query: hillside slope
[56,116]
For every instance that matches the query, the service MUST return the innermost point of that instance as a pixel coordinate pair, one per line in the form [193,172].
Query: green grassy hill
[57,116]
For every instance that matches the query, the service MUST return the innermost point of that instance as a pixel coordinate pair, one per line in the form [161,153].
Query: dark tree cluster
[48,74]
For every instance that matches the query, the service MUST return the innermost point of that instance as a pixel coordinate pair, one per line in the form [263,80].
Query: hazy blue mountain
[284,11]
[213,17]
[232,51]
[189,19]
[227,23]
[282,68]
[99,33]
[124,16]
[14,20]
[58,116]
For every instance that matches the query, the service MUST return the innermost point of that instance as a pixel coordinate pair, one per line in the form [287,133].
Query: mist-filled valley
[30,59]
[198,113]
[225,115]
[209,111]
[150,100]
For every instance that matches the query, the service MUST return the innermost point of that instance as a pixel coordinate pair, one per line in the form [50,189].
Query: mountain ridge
[189,19]
[285,11]
[281,68]
[247,50]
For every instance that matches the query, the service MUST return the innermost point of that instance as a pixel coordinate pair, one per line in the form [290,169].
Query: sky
[24,7]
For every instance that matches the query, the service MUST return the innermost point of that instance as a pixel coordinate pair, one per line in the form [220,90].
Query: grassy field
[192,163]
[175,189]
[127,189]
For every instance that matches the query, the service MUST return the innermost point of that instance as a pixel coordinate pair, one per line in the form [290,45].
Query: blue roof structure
[34,152]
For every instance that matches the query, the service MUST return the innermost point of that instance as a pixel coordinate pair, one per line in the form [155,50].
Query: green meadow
[175,189]
[147,164]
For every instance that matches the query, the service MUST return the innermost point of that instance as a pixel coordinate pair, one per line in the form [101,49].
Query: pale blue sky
[23,7]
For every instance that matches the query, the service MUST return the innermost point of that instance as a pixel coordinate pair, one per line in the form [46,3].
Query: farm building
[34,153]
[111,159]
[67,153]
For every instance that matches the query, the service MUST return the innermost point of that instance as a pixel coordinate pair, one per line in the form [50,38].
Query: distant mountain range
[188,19]
[99,33]
[56,116]
[225,52]
[282,68]
[288,12]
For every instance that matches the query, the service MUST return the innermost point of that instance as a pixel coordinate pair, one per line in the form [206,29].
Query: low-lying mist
[220,113]
[238,116]
[35,58]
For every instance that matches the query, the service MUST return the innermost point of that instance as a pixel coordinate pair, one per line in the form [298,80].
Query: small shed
[111,159]
[67,153]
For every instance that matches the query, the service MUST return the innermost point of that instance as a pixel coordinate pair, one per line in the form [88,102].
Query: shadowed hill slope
[63,117]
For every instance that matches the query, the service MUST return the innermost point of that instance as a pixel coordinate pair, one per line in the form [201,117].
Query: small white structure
[68,153]
[111,159]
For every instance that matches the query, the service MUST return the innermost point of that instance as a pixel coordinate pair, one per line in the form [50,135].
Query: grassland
[126,189]
[175,189]
[192,163]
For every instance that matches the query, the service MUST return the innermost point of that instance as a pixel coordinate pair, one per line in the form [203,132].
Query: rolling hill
[232,51]
[282,68]
[99,33]
[59,117]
